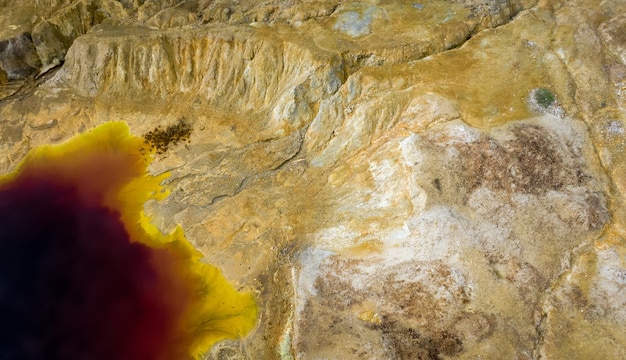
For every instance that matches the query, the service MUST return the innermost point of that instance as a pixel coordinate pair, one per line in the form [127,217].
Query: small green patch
[160,139]
[544,97]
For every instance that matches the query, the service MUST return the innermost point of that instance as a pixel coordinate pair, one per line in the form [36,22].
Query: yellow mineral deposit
[191,301]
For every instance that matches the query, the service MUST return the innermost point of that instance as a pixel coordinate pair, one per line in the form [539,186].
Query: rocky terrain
[435,179]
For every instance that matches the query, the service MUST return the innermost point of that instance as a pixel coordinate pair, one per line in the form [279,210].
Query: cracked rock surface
[392,179]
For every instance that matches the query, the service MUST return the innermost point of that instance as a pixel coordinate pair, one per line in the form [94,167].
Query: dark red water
[72,284]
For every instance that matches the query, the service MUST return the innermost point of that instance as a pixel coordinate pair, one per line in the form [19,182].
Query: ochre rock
[393,180]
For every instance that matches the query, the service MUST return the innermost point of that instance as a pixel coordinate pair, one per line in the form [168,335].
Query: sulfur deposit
[436,179]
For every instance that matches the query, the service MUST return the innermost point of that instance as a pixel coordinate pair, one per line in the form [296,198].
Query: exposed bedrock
[392,179]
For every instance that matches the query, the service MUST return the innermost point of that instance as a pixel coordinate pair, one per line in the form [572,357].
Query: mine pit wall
[233,69]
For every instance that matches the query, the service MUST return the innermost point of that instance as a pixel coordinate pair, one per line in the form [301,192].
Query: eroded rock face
[454,232]
[401,180]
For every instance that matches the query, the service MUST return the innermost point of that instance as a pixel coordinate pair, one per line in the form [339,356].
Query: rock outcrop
[393,180]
